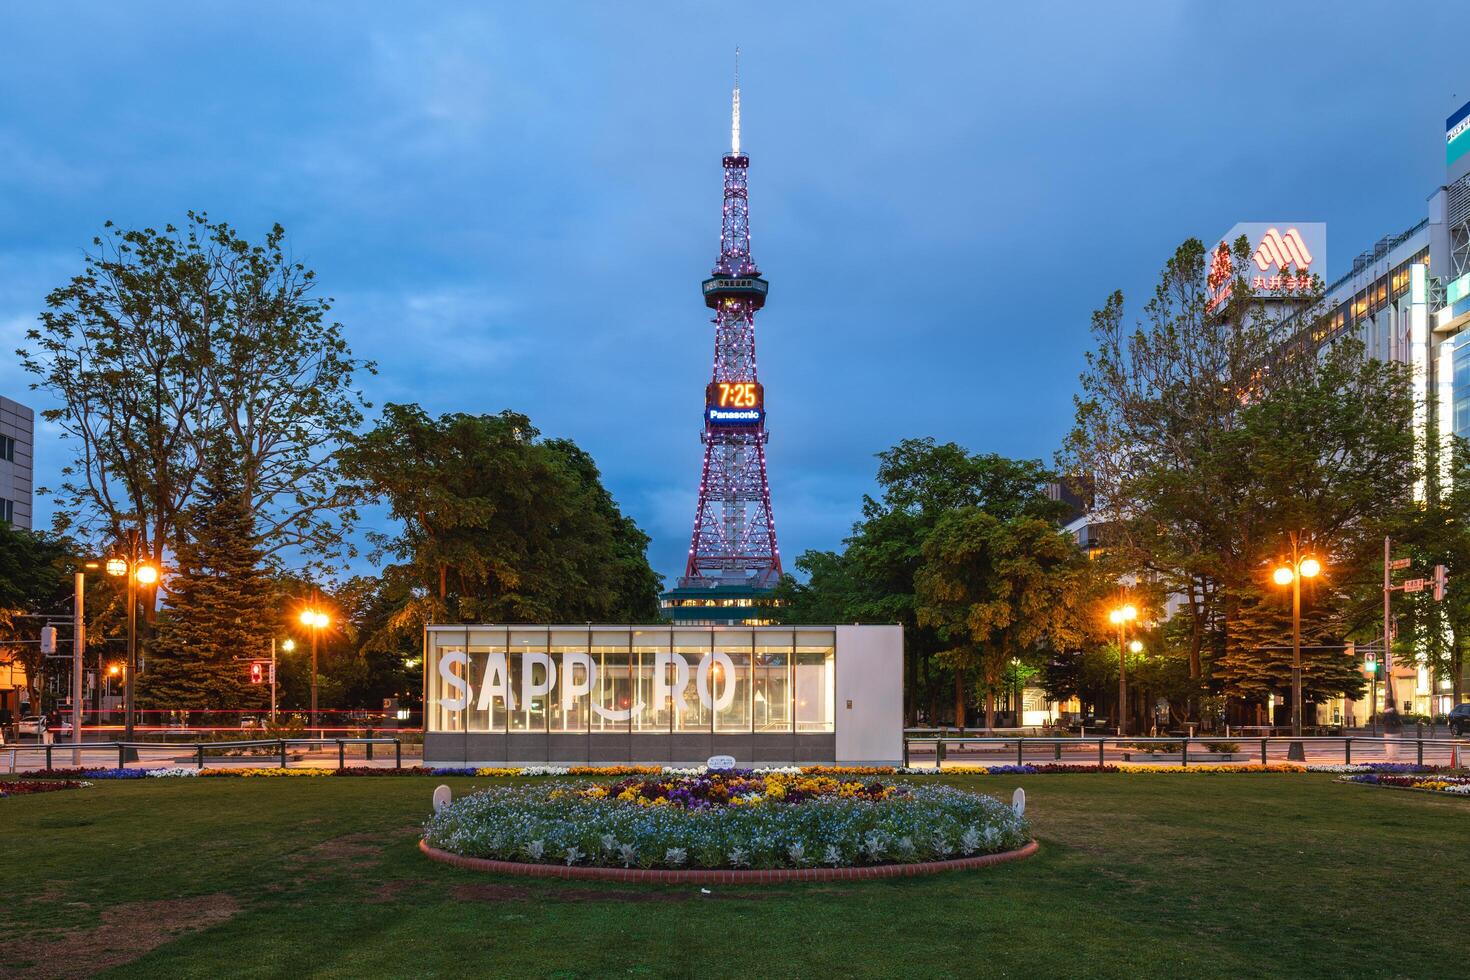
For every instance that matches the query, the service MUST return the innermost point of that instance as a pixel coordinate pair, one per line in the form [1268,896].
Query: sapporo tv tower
[733,557]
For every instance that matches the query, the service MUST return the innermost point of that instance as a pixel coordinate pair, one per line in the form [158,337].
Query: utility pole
[78,641]
[273,680]
[1388,695]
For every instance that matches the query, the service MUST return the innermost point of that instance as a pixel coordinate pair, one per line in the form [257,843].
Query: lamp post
[1292,574]
[314,618]
[139,572]
[1120,618]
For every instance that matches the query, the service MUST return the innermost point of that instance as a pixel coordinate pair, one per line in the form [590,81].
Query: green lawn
[1232,876]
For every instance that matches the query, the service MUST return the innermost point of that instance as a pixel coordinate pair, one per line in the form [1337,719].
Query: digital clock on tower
[734,403]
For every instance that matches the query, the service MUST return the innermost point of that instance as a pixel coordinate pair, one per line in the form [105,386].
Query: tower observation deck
[733,545]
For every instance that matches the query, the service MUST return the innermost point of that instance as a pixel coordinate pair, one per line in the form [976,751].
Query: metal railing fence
[1181,744]
[130,751]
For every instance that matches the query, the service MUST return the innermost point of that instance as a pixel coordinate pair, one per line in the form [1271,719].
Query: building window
[7,449]
[7,510]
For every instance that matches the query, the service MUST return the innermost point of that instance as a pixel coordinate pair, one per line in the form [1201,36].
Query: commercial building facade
[17,453]
[670,694]
[1407,299]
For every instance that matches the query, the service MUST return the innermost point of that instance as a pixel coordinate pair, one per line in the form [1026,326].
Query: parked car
[1460,719]
[32,725]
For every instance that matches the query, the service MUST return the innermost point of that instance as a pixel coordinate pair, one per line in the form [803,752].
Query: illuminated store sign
[1283,259]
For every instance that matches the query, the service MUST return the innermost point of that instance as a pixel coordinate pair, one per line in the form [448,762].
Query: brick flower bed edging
[720,876]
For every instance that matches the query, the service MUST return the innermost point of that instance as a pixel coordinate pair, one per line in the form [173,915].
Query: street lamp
[316,620]
[1292,574]
[138,572]
[1120,618]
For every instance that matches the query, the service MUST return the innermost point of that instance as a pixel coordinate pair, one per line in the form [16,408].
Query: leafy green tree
[995,589]
[221,604]
[34,579]
[873,579]
[1209,442]
[168,342]
[500,525]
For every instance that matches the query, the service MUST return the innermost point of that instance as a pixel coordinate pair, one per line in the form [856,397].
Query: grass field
[1238,876]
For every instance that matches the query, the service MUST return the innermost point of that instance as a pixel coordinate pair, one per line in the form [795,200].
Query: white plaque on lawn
[442,796]
[1018,801]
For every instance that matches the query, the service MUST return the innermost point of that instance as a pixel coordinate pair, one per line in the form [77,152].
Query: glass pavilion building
[662,694]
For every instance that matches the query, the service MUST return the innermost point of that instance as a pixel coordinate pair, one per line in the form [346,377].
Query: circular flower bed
[735,819]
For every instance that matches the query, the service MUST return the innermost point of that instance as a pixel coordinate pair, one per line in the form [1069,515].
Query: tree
[499,525]
[995,589]
[33,580]
[1209,442]
[221,604]
[168,342]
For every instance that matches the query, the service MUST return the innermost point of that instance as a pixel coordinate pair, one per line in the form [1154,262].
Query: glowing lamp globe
[1283,575]
[146,574]
[117,566]
[1311,568]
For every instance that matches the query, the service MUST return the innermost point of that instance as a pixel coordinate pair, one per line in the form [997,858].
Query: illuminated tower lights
[734,537]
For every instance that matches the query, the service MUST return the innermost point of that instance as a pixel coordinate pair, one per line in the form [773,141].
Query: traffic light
[257,672]
[1441,578]
[48,639]
[1370,662]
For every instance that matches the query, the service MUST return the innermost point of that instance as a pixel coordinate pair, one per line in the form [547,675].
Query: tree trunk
[959,698]
[990,710]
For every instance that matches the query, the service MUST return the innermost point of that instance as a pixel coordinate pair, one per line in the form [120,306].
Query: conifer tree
[220,604]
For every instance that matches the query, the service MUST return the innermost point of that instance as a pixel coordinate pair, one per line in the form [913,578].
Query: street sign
[48,639]
[1414,585]
[1399,563]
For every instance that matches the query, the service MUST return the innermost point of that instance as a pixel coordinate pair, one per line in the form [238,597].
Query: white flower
[796,853]
[874,845]
[609,842]
[629,854]
[535,849]
[574,854]
[833,856]
[739,857]
[174,773]
[942,846]
[675,856]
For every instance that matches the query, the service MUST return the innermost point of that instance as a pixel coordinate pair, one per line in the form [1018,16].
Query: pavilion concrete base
[601,748]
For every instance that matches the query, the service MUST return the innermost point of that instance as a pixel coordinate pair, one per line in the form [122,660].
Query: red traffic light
[257,672]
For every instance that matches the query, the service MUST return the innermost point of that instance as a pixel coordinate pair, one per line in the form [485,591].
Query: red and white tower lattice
[734,540]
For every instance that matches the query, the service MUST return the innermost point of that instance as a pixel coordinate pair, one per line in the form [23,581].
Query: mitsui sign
[578,694]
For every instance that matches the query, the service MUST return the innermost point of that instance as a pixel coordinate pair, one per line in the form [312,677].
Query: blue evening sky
[514,203]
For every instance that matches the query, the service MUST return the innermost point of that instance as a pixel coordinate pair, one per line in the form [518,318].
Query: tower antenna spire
[735,108]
